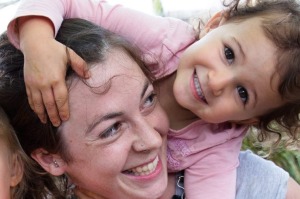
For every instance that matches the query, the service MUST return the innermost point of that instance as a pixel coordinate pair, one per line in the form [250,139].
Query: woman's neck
[179,117]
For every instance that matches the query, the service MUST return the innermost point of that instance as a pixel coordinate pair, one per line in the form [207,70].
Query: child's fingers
[38,105]
[61,99]
[77,63]
[50,105]
[29,97]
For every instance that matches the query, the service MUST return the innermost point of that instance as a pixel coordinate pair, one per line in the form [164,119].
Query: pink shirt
[207,152]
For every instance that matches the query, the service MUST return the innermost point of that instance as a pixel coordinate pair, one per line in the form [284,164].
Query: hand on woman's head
[45,86]
[45,70]
[117,125]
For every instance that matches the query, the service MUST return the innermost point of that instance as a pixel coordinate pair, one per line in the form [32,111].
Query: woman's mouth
[144,169]
[198,88]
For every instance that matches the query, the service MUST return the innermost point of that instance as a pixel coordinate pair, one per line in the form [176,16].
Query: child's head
[11,161]
[245,67]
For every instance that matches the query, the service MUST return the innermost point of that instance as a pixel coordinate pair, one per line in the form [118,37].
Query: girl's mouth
[198,88]
[144,169]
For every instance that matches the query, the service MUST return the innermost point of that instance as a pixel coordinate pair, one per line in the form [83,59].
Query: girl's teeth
[198,88]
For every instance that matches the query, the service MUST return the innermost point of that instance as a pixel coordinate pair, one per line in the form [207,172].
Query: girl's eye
[150,100]
[243,94]
[229,55]
[111,131]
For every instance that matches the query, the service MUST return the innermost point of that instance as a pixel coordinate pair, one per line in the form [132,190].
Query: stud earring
[55,164]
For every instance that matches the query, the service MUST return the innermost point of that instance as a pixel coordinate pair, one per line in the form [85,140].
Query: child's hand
[45,66]
[44,73]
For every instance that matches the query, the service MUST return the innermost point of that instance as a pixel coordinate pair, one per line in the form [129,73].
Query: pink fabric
[161,39]
[207,152]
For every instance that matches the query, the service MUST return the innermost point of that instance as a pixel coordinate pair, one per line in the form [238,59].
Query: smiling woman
[117,129]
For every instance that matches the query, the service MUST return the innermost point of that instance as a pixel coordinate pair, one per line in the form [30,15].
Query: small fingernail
[64,117]
[43,120]
[56,123]
[87,74]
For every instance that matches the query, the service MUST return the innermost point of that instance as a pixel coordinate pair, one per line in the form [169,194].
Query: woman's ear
[215,21]
[52,163]
[17,170]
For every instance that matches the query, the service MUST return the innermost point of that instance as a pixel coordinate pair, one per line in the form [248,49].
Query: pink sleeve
[208,154]
[214,177]
[161,39]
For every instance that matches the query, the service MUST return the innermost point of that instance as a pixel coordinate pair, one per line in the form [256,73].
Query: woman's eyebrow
[108,116]
[98,120]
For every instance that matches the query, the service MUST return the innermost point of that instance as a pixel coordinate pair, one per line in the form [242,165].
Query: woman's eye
[150,100]
[111,131]
[243,94]
[229,55]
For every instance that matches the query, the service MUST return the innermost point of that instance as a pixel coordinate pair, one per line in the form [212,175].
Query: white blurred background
[176,8]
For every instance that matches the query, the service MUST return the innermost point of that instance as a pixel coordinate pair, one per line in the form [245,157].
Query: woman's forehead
[116,63]
[113,84]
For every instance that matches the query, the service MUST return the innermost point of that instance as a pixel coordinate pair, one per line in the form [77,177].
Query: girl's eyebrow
[239,46]
[112,115]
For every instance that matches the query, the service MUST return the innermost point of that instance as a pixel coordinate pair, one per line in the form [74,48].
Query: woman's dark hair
[91,43]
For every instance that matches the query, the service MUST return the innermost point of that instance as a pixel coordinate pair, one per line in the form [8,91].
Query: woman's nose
[147,138]
[218,81]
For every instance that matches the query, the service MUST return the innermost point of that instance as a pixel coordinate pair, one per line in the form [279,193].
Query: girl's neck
[179,117]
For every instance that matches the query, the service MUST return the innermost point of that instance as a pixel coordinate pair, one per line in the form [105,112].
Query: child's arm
[154,35]
[214,176]
[208,154]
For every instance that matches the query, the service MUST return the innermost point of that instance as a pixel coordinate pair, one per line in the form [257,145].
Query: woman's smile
[143,170]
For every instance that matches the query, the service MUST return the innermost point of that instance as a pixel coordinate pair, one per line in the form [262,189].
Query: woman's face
[116,134]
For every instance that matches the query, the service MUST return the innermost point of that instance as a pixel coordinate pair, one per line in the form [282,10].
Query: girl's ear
[214,22]
[17,170]
[52,163]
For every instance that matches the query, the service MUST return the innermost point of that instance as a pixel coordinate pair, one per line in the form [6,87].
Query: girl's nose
[218,81]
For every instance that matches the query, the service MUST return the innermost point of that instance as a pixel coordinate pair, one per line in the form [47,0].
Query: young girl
[237,74]
[17,171]
[11,164]
[20,176]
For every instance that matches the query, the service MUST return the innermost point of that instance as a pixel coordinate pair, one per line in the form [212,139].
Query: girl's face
[229,74]
[116,134]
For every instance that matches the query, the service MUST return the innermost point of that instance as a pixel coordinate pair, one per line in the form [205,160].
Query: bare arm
[293,191]
[46,59]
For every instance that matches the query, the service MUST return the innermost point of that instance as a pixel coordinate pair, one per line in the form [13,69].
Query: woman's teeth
[143,170]
[198,88]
